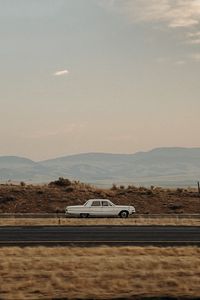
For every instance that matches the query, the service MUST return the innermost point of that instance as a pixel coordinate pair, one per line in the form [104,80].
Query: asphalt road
[100,235]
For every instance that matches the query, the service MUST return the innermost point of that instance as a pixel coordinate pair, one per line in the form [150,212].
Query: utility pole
[198,187]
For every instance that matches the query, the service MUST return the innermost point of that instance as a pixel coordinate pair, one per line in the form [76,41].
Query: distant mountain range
[161,166]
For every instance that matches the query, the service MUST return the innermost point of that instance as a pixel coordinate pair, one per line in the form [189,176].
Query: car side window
[105,203]
[96,203]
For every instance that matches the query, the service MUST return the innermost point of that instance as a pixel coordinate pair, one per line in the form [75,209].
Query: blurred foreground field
[99,221]
[98,273]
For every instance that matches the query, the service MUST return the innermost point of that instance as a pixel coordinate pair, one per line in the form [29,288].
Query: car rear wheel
[84,215]
[123,214]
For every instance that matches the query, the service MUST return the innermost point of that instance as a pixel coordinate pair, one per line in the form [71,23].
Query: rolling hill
[160,166]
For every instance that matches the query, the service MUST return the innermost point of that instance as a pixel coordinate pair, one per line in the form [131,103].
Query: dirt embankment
[55,196]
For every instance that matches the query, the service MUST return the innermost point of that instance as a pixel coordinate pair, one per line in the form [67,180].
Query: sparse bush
[122,187]
[159,189]
[69,189]
[175,206]
[7,199]
[149,192]
[131,187]
[59,210]
[76,182]
[114,187]
[61,182]
[142,188]
[40,192]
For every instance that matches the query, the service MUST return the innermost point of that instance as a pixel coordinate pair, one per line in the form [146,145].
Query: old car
[99,208]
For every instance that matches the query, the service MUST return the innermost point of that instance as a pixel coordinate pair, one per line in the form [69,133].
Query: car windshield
[105,203]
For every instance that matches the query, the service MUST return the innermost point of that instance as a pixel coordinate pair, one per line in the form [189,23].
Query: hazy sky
[98,76]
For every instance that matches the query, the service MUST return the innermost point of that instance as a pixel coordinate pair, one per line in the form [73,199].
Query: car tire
[123,214]
[84,215]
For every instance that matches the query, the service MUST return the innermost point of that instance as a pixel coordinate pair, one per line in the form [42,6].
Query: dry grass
[98,221]
[98,273]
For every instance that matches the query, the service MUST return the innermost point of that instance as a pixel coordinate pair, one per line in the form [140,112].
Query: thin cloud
[194,42]
[180,62]
[174,13]
[195,57]
[168,60]
[194,38]
[61,73]
[66,130]
[162,60]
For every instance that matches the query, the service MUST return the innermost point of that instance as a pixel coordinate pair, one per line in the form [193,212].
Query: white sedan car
[100,207]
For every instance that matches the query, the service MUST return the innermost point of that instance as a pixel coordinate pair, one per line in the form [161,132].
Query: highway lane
[100,235]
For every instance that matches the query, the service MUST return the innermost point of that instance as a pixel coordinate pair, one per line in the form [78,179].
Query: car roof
[98,200]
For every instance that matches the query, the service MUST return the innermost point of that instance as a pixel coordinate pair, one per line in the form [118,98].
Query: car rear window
[105,203]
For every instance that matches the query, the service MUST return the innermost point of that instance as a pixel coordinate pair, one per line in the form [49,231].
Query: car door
[107,209]
[95,209]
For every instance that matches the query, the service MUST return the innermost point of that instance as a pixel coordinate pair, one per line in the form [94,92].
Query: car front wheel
[123,214]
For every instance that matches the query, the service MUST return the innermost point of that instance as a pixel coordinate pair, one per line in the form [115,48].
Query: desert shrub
[61,182]
[69,189]
[82,186]
[40,192]
[158,189]
[175,206]
[131,187]
[76,182]
[194,194]
[22,183]
[114,187]
[149,192]
[142,189]
[59,210]
[122,187]
[7,199]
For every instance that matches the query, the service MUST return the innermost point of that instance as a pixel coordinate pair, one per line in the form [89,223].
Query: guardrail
[62,215]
